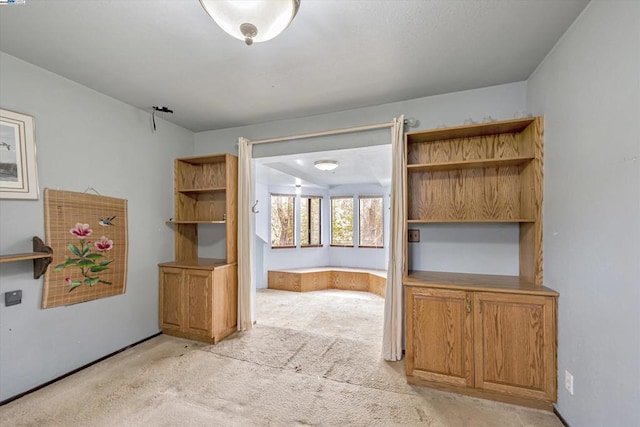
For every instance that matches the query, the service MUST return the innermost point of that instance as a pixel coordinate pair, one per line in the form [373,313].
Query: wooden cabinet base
[199,300]
[202,338]
[484,394]
[486,336]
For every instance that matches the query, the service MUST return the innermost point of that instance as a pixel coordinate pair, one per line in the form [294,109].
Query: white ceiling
[366,165]
[336,55]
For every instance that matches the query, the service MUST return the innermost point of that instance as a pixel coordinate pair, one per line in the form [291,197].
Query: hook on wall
[253,208]
[411,122]
[92,189]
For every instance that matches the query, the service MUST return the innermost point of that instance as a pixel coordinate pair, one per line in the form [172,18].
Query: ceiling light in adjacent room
[326,165]
[252,20]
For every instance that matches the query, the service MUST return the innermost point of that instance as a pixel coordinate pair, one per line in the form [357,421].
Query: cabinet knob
[468,304]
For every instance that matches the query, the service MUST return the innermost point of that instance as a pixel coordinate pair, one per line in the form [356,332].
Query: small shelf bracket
[40,265]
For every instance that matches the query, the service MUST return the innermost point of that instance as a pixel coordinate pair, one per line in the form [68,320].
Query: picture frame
[18,168]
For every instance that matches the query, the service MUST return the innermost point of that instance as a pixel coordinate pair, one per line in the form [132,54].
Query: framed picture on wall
[18,173]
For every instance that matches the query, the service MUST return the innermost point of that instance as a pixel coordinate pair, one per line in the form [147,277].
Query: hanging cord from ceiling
[162,109]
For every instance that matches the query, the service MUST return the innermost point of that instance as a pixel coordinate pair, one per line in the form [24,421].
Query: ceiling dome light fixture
[252,20]
[326,165]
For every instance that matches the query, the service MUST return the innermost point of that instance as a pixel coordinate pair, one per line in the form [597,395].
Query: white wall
[83,139]
[500,102]
[488,248]
[588,89]
[466,248]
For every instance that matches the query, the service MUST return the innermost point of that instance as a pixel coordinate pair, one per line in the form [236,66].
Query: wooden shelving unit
[460,327]
[205,193]
[490,172]
[198,296]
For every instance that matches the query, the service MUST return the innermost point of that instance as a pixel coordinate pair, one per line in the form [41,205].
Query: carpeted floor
[313,359]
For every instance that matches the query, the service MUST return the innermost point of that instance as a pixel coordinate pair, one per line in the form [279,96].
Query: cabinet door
[515,344]
[439,336]
[198,301]
[171,298]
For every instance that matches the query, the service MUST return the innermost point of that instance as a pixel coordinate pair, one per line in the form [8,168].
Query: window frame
[364,197]
[353,221]
[309,197]
[293,218]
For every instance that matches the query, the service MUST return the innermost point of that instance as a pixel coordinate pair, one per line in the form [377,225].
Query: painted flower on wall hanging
[90,263]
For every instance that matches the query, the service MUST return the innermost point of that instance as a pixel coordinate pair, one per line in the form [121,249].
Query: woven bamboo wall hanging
[88,235]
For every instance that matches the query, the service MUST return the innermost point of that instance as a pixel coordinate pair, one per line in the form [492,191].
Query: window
[371,223]
[342,221]
[310,233]
[282,220]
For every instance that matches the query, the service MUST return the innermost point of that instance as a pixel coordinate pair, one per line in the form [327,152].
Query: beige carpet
[313,359]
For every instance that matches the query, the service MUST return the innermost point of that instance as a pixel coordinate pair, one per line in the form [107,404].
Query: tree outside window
[342,221]
[371,221]
[310,230]
[282,221]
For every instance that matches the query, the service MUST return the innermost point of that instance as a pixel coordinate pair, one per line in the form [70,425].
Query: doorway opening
[328,228]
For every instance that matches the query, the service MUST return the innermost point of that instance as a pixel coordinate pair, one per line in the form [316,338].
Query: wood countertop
[475,282]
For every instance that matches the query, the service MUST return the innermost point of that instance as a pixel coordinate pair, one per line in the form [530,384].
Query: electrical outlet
[414,236]
[568,382]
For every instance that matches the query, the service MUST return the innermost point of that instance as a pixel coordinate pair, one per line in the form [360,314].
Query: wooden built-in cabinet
[199,303]
[487,335]
[198,296]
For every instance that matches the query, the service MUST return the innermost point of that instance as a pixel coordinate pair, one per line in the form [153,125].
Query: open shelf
[197,222]
[204,160]
[472,130]
[42,256]
[448,220]
[24,257]
[196,174]
[202,190]
[196,263]
[201,206]
[470,164]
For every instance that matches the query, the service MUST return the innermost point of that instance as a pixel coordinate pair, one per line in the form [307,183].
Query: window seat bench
[320,278]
